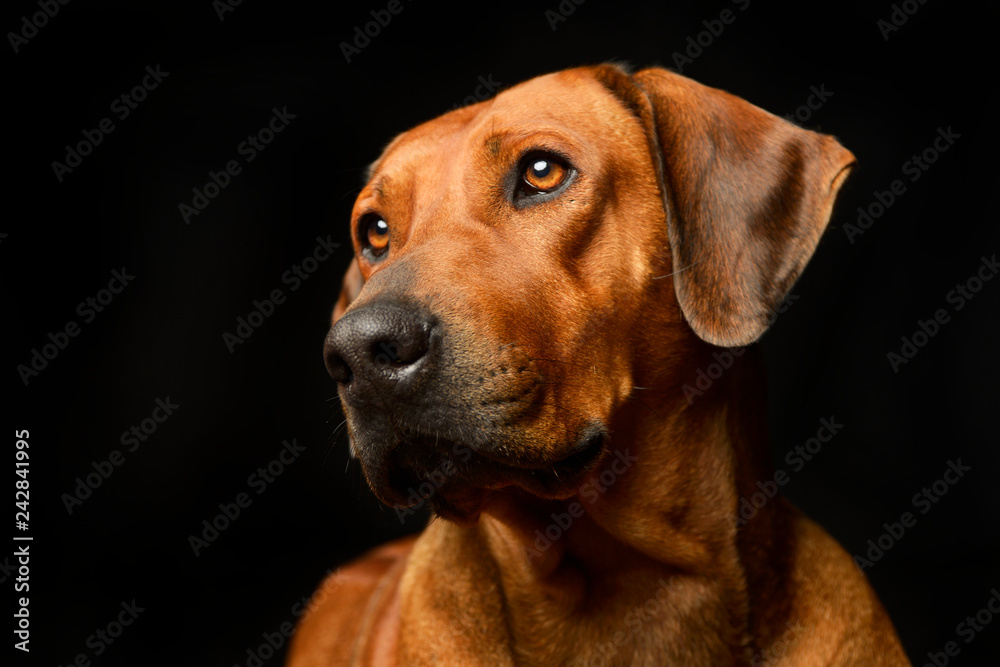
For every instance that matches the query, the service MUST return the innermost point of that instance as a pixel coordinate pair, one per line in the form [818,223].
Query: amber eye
[544,174]
[375,235]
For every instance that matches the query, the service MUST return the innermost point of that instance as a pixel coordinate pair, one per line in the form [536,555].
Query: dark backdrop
[161,337]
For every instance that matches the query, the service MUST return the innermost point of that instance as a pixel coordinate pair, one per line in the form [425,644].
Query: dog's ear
[748,196]
[353,282]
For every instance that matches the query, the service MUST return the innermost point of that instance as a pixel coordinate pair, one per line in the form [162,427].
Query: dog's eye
[543,173]
[374,235]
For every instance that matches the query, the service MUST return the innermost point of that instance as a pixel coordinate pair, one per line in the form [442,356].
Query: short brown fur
[692,214]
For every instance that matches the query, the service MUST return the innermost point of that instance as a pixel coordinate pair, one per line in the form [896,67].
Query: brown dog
[537,277]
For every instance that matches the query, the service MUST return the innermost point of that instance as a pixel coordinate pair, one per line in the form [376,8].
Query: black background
[162,336]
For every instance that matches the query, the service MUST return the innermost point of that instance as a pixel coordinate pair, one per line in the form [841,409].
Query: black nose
[380,351]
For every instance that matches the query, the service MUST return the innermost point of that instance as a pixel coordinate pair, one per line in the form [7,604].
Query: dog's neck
[649,539]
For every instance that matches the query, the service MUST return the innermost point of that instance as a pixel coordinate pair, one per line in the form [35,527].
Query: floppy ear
[748,196]
[353,282]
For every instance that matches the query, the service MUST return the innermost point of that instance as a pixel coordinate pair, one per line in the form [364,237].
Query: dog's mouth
[456,480]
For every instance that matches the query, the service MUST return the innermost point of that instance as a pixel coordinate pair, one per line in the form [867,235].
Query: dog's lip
[587,450]
[582,455]
[461,494]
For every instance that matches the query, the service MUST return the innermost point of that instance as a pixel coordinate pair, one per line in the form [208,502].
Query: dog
[538,279]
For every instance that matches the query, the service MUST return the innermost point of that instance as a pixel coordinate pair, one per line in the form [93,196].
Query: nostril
[385,353]
[406,348]
[338,368]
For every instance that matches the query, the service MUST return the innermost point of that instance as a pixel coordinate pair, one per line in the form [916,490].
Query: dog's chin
[461,506]
[457,481]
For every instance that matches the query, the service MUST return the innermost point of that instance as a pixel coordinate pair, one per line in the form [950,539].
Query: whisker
[350,193]
[329,449]
[333,443]
[679,270]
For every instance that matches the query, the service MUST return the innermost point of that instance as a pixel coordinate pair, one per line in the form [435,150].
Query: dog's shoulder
[832,597]
[358,600]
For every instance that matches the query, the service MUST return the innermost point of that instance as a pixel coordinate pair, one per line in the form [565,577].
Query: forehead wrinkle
[523,120]
[556,137]
[553,100]
[418,178]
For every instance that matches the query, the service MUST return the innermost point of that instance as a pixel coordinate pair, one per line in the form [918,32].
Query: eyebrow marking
[493,145]
[378,187]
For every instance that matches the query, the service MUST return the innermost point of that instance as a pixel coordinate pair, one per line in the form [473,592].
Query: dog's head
[523,263]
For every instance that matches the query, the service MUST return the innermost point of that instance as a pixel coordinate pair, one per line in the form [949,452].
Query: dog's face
[521,264]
